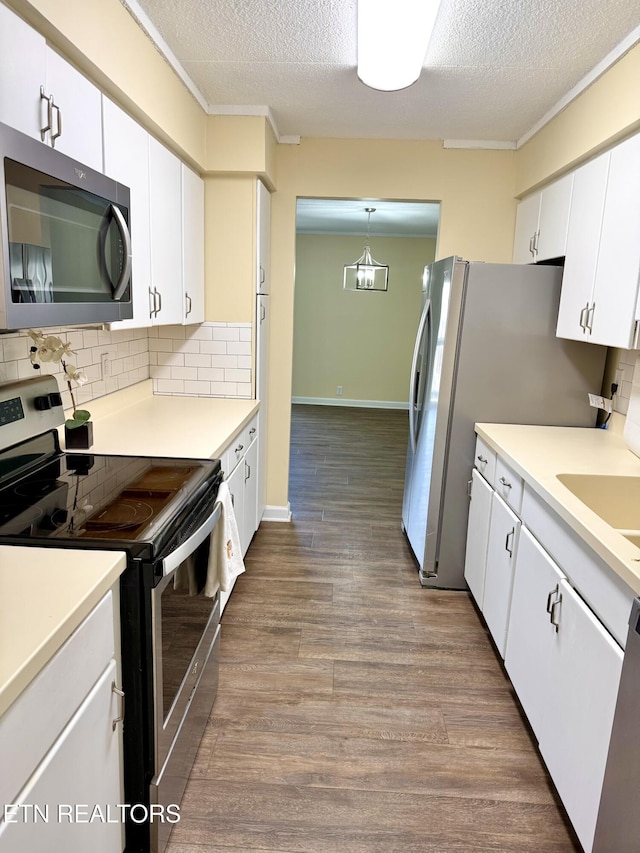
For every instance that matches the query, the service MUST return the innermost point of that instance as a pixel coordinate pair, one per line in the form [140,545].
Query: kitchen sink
[615,499]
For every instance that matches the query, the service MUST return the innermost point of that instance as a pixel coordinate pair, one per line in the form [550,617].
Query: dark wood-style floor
[358,712]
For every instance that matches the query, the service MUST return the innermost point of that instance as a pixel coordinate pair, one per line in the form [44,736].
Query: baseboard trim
[277,513]
[364,404]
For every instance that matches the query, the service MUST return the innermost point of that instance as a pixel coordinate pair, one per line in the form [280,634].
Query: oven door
[186,633]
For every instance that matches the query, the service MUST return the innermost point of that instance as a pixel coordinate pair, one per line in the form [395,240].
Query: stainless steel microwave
[65,247]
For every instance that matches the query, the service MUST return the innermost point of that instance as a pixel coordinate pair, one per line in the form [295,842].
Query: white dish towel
[225,557]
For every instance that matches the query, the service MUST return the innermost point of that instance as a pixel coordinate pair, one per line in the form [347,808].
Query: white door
[618,269]
[583,238]
[192,245]
[526,228]
[504,530]
[78,114]
[477,535]
[166,235]
[263,236]
[22,73]
[585,672]
[555,202]
[530,642]
[82,769]
[126,159]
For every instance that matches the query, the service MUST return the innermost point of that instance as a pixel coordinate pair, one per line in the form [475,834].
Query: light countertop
[136,422]
[540,453]
[45,593]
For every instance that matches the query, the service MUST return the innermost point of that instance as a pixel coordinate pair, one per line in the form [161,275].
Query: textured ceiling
[494,68]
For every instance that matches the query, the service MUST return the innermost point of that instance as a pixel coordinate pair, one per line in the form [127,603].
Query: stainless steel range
[162,512]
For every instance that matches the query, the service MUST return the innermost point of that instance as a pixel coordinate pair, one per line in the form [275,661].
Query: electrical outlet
[105,365]
[339,390]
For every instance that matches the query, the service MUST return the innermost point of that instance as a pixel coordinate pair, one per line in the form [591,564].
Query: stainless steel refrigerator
[485,351]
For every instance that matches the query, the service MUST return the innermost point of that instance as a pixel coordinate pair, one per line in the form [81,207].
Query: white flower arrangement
[47,348]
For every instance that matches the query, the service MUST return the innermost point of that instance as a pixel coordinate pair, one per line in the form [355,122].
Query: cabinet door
[263,236]
[250,524]
[504,530]
[192,245]
[583,238]
[126,159]
[477,535]
[585,672]
[20,80]
[526,227]
[82,769]
[166,235]
[553,224]
[618,269]
[78,117]
[236,486]
[262,378]
[529,647]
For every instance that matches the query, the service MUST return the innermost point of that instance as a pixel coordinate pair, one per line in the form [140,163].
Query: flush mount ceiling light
[365,273]
[393,37]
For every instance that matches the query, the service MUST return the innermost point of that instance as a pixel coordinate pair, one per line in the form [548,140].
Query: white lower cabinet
[62,745]
[478,535]
[504,530]
[565,668]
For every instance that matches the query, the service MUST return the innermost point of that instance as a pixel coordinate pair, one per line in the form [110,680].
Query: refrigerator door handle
[413,388]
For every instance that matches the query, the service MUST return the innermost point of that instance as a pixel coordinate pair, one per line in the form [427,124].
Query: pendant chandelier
[365,273]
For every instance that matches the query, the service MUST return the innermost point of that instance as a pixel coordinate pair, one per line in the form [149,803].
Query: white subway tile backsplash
[211,359]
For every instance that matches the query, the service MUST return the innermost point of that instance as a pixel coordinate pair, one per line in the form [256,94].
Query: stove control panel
[29,407]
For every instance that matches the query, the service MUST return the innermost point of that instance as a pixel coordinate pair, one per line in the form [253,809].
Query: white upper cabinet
[165,292]
[585,222]
[126,159]
[75,107]
[263,205]
[541,223]
[20,81]
[192,246]
[600,282]
[44,96]
[615,289]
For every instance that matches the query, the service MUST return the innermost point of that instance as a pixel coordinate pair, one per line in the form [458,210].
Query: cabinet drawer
[485,460]
[508,485]
[237,448]
[34,721]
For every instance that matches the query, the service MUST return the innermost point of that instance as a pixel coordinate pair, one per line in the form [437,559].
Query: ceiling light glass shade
[393,37]
[366,274]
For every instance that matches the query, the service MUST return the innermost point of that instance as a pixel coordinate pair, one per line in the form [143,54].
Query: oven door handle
[175,558]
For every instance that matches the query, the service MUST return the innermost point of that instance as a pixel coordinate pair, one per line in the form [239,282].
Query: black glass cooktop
[95,500]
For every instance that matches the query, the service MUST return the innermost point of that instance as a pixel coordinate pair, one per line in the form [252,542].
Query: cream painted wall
[362,341]
[604,113]
[475,189]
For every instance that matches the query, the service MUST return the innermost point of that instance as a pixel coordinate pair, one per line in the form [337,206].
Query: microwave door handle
[175,558]
[125,275]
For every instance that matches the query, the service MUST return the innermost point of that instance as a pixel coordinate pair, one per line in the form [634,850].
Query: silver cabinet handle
[589,320]
[555,613]
[247,471]
[531,249]
[536,237]
[119,693]
[469,487]
[263,313]
[511,535]
[152,300]
[482,459]
[262,274]
[252,431]
[239,448]
[189,304]
[582,313]
[49,125]
[159,300]
[58,133]
[505,483]
[550,597]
